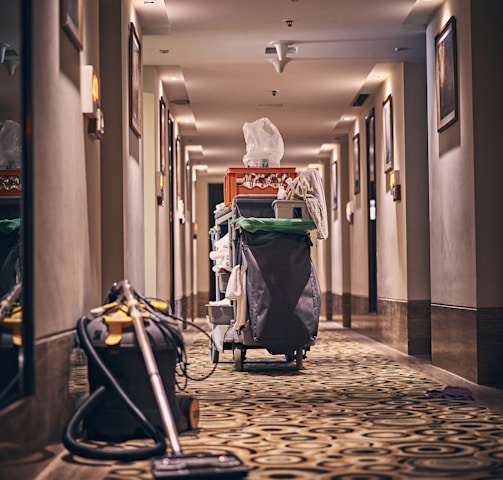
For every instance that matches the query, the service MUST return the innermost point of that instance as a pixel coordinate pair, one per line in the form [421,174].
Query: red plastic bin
[246,181]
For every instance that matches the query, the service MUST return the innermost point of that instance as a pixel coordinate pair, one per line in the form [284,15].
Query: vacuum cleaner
[11,351]
[111,395]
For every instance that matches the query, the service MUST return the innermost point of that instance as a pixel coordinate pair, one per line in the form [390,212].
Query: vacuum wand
[167,418]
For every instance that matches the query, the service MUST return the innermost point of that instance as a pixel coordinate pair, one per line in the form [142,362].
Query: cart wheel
[239,357]
[190,409]
[290,357]
[299,359]
[214,353]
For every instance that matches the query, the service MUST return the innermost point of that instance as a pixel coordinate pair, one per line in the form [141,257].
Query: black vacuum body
[111,420]
[9,360]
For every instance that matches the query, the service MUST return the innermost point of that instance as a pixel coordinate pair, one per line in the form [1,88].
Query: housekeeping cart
[273,284]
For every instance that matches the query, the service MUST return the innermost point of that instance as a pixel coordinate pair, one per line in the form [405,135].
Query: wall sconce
[394,183]
[349,212]
[96,125]
[89,90]
[180,209]
[159,188]
[90,96]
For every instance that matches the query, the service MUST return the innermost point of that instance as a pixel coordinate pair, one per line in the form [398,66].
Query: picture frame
[162,136]
[334,186]
[171,154]
[180,185]
[356,163]
[446,75]
[72,21]
[135,81]
[371,147]
[388,133]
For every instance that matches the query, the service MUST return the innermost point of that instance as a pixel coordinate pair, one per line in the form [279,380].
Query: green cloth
[9,226]
[297,226]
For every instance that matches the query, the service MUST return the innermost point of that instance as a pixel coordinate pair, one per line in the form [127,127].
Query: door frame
[372,209]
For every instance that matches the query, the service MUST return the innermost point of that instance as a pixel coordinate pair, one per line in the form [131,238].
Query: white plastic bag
[264,144]
[10,145]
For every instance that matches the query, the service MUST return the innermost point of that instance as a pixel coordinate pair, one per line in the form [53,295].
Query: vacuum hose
[71,431]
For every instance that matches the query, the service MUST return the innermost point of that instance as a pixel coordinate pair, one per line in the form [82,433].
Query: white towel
[236,290]
[309,187]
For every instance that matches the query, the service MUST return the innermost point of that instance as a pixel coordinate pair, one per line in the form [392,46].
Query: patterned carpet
[351,413]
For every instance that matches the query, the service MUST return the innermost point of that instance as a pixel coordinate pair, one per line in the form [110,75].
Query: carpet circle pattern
[350,414]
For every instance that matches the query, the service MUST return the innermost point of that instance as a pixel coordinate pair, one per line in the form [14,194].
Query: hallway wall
[122,190]
[403,316]
[339,233]
[66,210]
[466,221]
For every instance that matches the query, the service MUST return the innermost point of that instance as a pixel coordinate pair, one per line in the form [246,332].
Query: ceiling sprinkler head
[279,65]
[281,47]
[3,49]
[289,23]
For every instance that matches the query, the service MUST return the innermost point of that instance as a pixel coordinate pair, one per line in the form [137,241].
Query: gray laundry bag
[283,291]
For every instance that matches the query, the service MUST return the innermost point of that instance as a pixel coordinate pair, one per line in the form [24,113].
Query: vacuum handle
[161,398]
[9,299]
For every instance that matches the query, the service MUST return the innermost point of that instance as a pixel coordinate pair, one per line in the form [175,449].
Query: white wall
[391,216]
[402,262]
[358,229]
[65,196]
[452,192]
[339,228]
[150,155]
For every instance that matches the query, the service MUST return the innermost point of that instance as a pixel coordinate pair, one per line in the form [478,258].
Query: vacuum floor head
[199,465]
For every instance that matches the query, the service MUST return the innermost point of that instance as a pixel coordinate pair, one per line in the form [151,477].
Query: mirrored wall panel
[12,354]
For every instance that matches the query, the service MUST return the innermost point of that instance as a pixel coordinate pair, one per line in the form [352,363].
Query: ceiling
[212,58]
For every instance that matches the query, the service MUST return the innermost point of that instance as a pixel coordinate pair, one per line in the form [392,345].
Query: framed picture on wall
[171,154]
[135,87]
[446,75]
[180,174]
[72,21]
[371,155]
[388,133]
[334,185]
[356,162]
[162,136]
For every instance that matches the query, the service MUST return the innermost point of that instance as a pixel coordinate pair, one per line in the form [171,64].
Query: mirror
[13,154]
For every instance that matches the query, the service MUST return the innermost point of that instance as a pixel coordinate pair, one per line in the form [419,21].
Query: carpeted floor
[353,412]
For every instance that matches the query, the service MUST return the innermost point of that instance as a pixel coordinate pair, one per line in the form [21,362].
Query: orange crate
[255,181]
[10,183]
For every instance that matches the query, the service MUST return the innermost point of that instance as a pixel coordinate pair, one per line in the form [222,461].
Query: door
[371,189]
